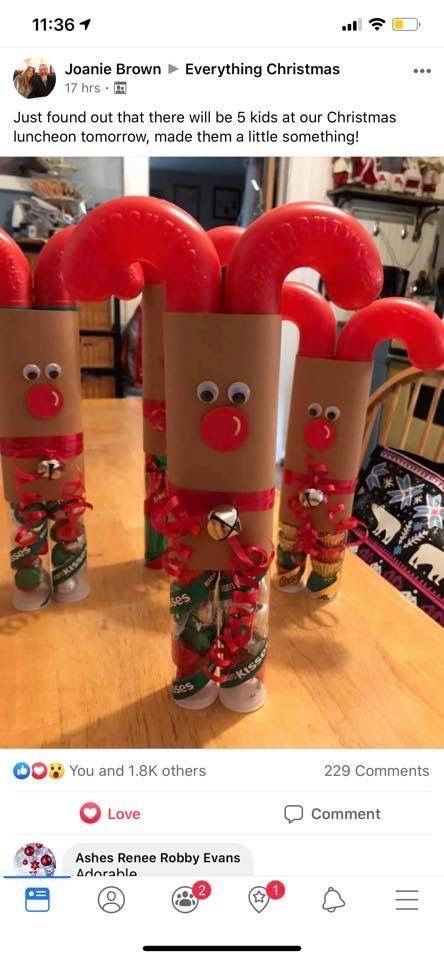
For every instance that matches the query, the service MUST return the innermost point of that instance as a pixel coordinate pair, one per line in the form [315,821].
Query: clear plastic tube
[69,552]
[29,556]
[193,611]
[242,687]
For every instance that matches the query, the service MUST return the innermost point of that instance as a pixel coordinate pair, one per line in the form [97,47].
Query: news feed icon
[37,900]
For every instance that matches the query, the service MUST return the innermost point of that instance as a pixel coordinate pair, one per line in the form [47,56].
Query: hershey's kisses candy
[223,522]
[50,469]
[311,497]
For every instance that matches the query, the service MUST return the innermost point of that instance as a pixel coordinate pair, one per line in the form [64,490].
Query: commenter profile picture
[34,78]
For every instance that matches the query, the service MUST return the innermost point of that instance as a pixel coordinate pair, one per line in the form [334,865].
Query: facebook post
[222,453]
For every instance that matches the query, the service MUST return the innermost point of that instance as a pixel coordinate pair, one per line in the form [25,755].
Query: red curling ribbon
[157,485]
[28,516]
[182,512]
[306,535]
[154,411]
[202,501]
[249,564]
[319,479]
[58,447]
[74,506]
[181,523]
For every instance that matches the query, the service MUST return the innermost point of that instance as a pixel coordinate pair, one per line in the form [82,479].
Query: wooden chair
[395,407]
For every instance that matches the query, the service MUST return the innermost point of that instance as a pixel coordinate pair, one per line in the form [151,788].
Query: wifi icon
[377,22]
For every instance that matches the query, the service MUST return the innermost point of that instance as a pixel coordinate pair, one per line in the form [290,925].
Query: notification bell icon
[332,900]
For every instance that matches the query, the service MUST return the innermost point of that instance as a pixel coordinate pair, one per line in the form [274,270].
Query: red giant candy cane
[128,243]
[225,240]
[50,288]
[420,329]
[15,274]
[313,316]
[302,235]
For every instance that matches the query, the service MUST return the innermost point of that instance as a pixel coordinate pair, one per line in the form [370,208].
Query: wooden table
[364,671]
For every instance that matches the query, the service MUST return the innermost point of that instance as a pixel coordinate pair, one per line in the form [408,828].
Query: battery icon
[405,23]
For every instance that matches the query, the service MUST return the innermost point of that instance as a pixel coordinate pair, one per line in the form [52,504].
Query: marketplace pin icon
[258,898]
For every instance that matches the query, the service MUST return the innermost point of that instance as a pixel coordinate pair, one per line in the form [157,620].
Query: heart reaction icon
[90,812]
[39,771]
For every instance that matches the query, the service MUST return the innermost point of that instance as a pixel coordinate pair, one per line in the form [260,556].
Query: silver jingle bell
[223,522]
[50,469]
[311,497]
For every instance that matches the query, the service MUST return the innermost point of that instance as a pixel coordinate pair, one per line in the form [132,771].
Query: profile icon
[111,899]
[34,78]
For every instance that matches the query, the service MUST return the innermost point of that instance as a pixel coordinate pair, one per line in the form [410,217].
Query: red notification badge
[275,889]
[201,889]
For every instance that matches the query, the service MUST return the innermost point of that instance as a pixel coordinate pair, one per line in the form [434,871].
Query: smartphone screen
[221,440]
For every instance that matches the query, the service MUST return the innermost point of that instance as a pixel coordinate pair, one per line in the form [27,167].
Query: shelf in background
[425,206]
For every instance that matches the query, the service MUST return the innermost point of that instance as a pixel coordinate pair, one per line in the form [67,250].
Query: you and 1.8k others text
[137,770]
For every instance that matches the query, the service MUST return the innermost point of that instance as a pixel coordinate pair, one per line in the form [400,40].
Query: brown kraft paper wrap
[41,359]
[223,348]
[39,337]
[219,614]
[340,389]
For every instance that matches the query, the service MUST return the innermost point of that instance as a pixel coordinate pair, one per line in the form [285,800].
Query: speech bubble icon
[293,811]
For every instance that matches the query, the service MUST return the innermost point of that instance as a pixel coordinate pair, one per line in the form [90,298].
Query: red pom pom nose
[224,429]
[319,434]
[44,401]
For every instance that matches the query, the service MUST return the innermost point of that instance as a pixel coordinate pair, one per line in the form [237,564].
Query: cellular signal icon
[354,25]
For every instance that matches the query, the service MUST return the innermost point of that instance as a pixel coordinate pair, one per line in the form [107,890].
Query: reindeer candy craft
[221,395]
[326,425]
[135,245]
[41,438]
[221,384]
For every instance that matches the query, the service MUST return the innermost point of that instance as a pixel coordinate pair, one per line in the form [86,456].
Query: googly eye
[207,391]
[314,410]
[31,371]
[332,413]
[52,371]
[238,393]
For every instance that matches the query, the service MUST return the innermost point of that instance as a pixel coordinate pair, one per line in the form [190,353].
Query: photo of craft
[252,486]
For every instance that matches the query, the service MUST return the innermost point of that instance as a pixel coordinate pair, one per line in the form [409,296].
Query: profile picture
[34,78]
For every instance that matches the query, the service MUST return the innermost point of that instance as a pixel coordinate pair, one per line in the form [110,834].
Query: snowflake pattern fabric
[432,511]
[400,500]
[406,491]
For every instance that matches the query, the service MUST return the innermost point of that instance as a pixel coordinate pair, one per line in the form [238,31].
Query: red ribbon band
[200,502]
[59,447]
[323,483]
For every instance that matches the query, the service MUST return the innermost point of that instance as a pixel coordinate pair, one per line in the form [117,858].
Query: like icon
[90,812]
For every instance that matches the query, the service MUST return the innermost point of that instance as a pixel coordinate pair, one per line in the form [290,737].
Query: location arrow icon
[258,898]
